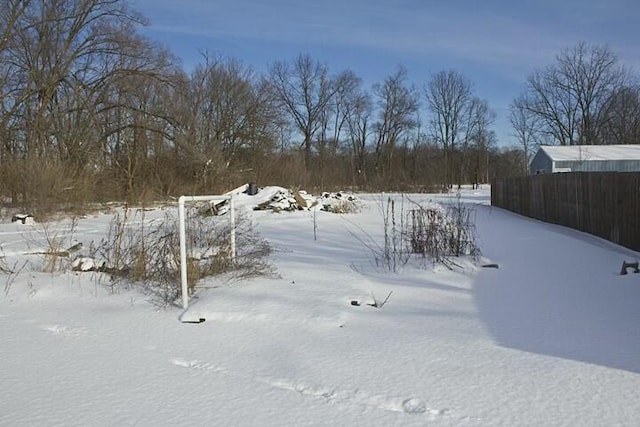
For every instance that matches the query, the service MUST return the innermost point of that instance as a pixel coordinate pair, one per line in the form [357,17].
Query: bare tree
[526,129]
[358,112]
[397,103]
[481,138]
[572,96]
[623,125]
[228,120]
[448,95]
[334,119]
[56,47]
[135,121]
[304,90]
[11,12]
[59,57]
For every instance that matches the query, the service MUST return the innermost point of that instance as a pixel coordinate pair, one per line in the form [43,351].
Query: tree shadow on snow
[557,293]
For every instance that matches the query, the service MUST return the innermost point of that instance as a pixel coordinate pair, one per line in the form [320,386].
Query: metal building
[586,158]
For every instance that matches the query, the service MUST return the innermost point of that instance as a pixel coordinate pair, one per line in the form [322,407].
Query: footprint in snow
[198,365]
[412,405]
[64,331]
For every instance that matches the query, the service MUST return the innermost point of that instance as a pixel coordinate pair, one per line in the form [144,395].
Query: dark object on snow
[626,265]
[252,189]
[196,321]
[21,217]
[356,303]
[75,248]
[490,266]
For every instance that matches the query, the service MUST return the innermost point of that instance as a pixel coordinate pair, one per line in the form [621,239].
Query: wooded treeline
[90,110]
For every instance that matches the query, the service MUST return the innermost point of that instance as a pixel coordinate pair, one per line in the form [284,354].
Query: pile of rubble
[289,201]
[285,200]
[339,203]
[279,199]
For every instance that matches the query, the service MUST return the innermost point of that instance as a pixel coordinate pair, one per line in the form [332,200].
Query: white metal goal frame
[183,236]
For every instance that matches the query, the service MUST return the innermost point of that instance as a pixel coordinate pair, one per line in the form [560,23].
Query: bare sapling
[394,252]
[56,243]
[11,273]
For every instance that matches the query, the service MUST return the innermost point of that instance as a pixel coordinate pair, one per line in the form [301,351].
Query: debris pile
[279,199]
[339,203]
[288,201]
[284,200]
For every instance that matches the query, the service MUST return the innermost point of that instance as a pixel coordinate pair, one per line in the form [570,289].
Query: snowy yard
[551,338]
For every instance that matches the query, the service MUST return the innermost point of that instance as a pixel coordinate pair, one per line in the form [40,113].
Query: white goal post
[183,236]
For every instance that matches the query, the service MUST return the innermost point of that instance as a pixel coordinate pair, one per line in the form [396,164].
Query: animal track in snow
[331,395]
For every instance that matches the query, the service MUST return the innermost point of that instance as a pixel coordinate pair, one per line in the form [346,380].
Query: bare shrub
[463,235]
[442,233]
[148,252]
[121,247]
[139,251]
[439,233]
[252,252]
[44,186]
[55,245]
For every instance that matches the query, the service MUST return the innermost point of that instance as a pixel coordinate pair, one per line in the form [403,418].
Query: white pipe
[201,198]
[232,225]
[183,253]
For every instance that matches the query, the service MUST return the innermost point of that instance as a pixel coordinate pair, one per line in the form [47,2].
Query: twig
[377,304]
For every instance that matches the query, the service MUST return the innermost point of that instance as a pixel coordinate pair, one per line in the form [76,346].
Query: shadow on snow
[558,292]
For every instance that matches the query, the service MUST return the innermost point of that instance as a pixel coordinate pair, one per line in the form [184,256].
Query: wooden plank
[606,204]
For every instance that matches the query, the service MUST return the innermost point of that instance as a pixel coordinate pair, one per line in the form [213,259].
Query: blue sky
[494,43]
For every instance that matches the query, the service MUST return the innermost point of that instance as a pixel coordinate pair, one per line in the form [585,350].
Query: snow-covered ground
[550,338]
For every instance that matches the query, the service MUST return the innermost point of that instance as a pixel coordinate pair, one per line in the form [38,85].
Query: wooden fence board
[605,204]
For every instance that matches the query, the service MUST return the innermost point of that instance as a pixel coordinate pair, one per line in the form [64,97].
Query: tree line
[91,110]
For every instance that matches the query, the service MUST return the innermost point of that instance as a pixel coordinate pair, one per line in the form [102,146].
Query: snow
[593,152]
[551,337]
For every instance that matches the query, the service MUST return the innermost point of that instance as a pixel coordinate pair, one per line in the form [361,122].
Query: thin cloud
[508,40]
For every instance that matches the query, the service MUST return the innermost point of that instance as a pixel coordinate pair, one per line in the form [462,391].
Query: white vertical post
[183,254]
[232,225]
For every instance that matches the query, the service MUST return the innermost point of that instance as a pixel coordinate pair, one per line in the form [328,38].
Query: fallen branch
[378,304]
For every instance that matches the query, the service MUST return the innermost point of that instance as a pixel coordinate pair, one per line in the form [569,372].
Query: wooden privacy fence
[606,204]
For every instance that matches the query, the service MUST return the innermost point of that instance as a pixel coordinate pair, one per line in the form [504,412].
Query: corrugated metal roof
[592,152]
